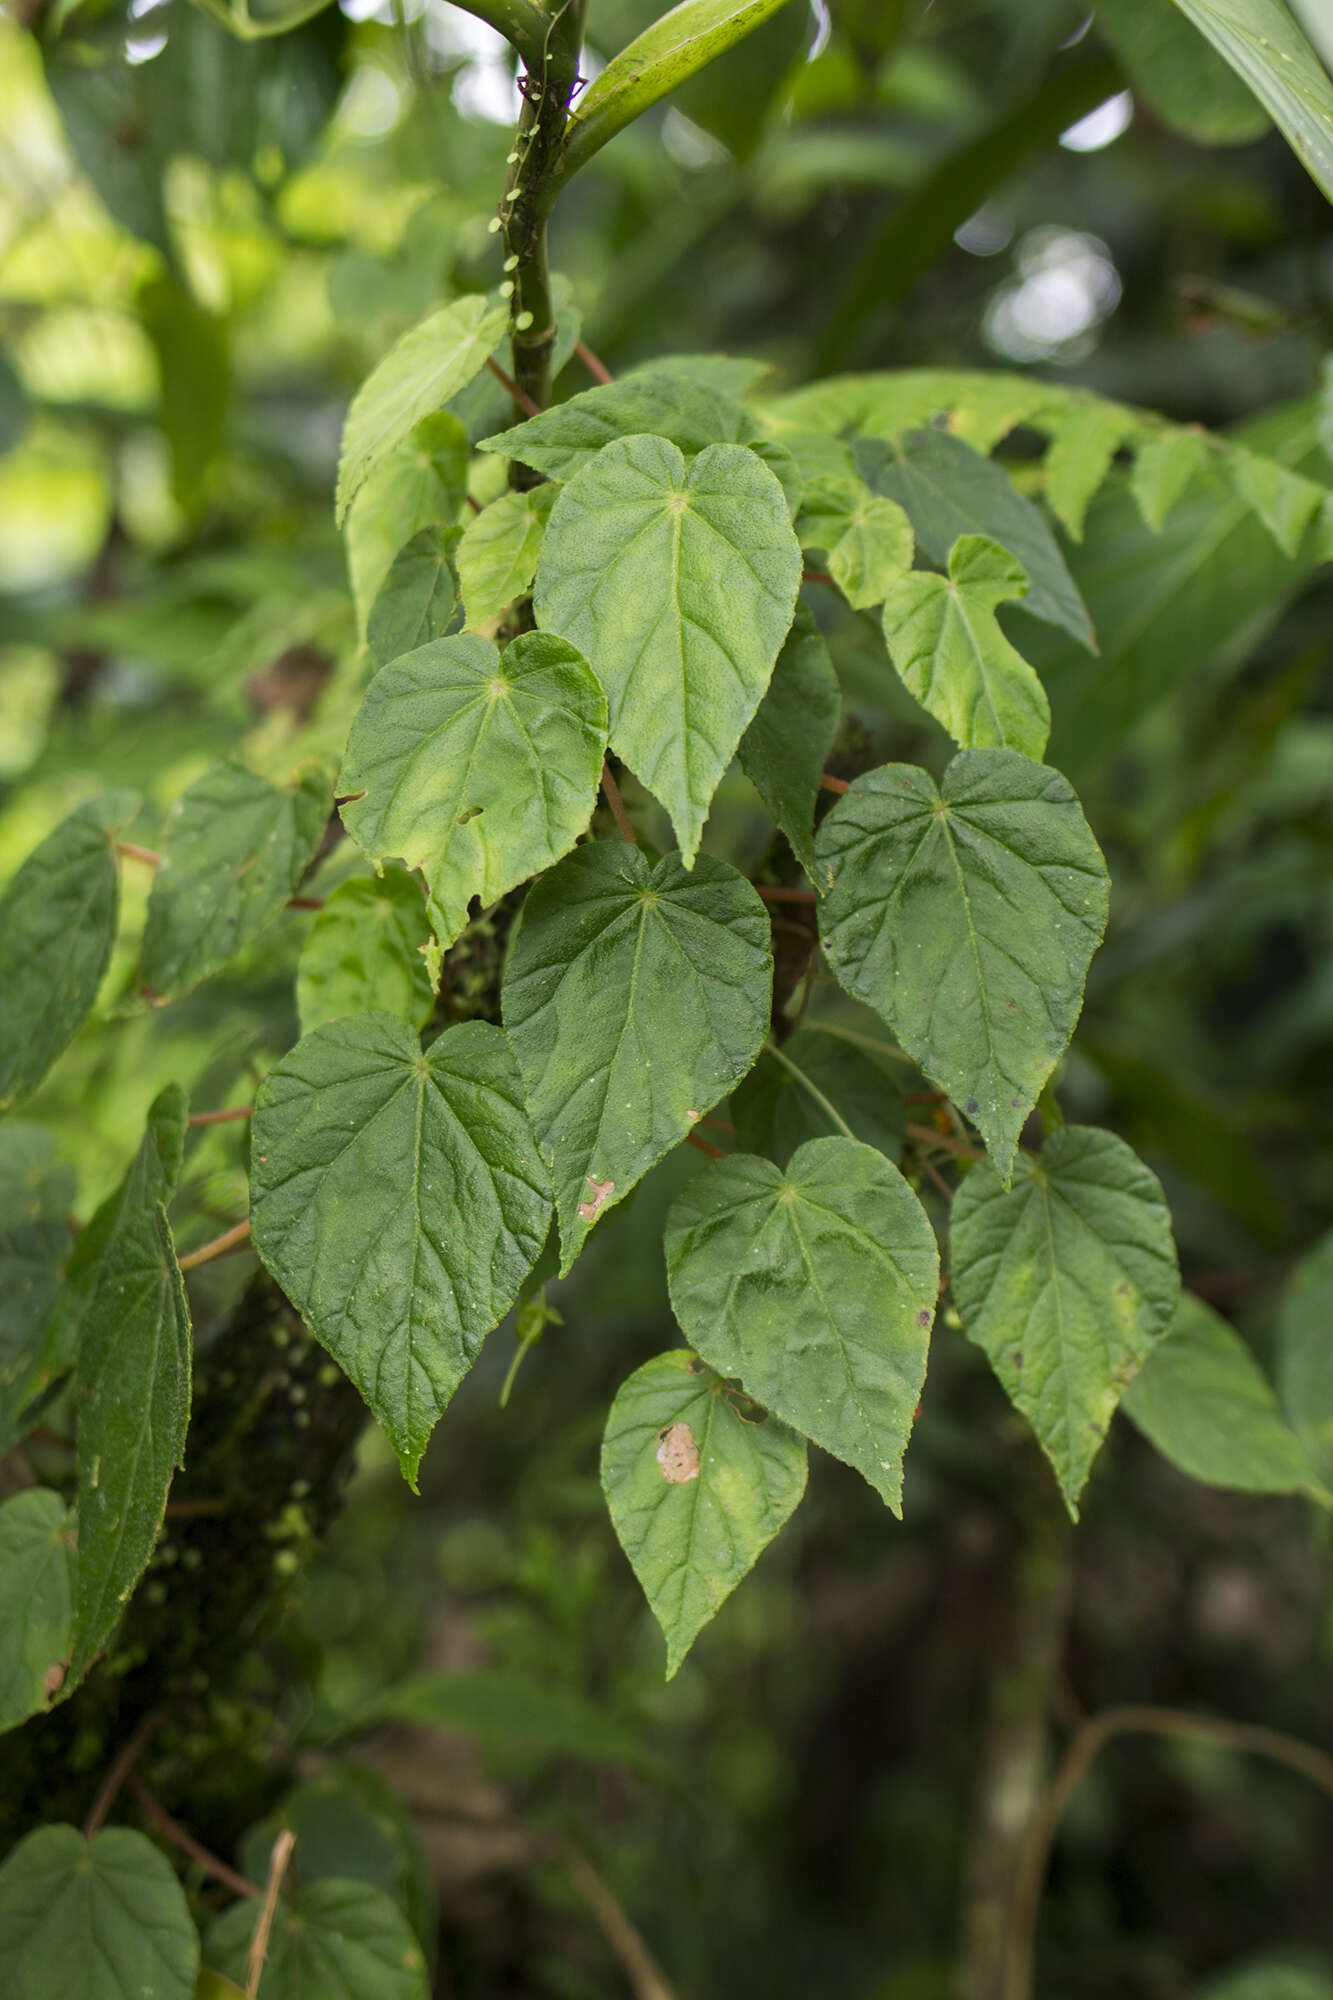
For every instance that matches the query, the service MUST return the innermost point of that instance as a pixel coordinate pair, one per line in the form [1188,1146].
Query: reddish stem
[832,784]
[220,1117]
[230,1239]
[523,400]
[305,902]
[702,1145]
[611,793]
[785,895]
[815,576]
[135,853]
[124,1762]
[171,1830]
[597,369]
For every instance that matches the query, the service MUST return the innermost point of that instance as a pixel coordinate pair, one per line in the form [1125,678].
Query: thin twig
[220,1117]
[173,1831]
[815,576]
[702,1146]
[473,502]
[636,1961]
[277,1868]
[929,1167]
[611,793]
[832,784]
[305,902]
[597,369]
[135,853]
[121,1765]
[230,1239]
[1303,1758]
[184,1510]
[927,1135]
[785,895]
[520,396]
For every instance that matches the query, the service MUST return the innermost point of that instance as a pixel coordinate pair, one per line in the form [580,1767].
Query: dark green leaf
[497,557]
[967,920]
[1203,1400]
[1264,46]
[513,1709]
[477,770]
[57,924]
[678,582]
[1065,1281]
[814,1085]
[1305,1354]
[948,490]
[337,1941]
[419,485]
[418,600]
[37,1567]
[366,952]
[364,1152]
[36,1195]
[784,749]
[635,997]
[349,1827]
[816,1285]
[1173,69]
[235,849]
[690,413]
[698,1480]
[99,1919]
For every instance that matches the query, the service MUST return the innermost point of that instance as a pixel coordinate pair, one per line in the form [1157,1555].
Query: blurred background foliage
[205,243]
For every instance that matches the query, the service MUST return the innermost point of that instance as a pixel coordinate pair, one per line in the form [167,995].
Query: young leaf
[948,490]
[1305,1354]
[418,600]
[497,557]
[364,1152]
[816,1085]
[235,849]
[366,951]
[872,552]
[946,642]
[36,1601]
[57,924]
[678,583]
[99,1919]
[1065,1280]
[674,47]
[784,749]
[689,413]
[816,1285]
[1083,446]
[1264,46]
[967,919]
[635,997]
[1203,1400]
[1285,502]
[477,770]
[133,1409]
[1164,466]
[36,1195]
[698,1481]
[417,376]
[337,1941]
[420,485]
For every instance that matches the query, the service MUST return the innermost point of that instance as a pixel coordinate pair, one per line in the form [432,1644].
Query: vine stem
[171,1830]
[704,1146]
[784,895]
[927,1134]
[829,1110]
[277,1868]
[230,1239]
[220,1117]
[637,1962]
[815,576]
[121,1765]
[520,396]
[611,793]
[595,367]
[832,784]
[1145,1720]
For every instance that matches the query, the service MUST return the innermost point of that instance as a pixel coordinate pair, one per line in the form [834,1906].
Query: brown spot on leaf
[601,1193]
[692,1115]
[54,1679]
[678,1454]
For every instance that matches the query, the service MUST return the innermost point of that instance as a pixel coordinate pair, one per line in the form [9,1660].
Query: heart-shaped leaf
[399,1200]
[698,1479]
[36,1601]
[678,581]
[337,1941]
[634,996]
[655,402]
[477,770]
[367,951]
[99,1919]
[1065,1280]
[967,918]
[816,1285]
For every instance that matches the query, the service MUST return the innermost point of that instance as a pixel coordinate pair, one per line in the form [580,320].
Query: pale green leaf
[418,600]
[784,749]
[1065,1280]
[212,1986]
[336,1941]
[635,997]
[57,925]
[1176,73]
[1263,45]
[872,552]
[366,951]
[951,654]
[234,849]
[698,1481]
[1285,502]
[731,374]
[478,770]
[133,1410]
[816,1285]
[99,1919]
[678,583]
[673,48]
[967,920]
[420,485]
[817,1084]
[833,493]
[1203,1400]
[36,1196]
[497,557]
[417,377]
[948,490]
[364,1152]
[1163,467]
[658,402]
[1084,442]
[782,464]
[1305,1353]
[37,1563]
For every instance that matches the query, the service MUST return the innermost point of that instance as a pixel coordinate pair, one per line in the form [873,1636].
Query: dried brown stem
[277,1868]
[645,1976]
[230,1239]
